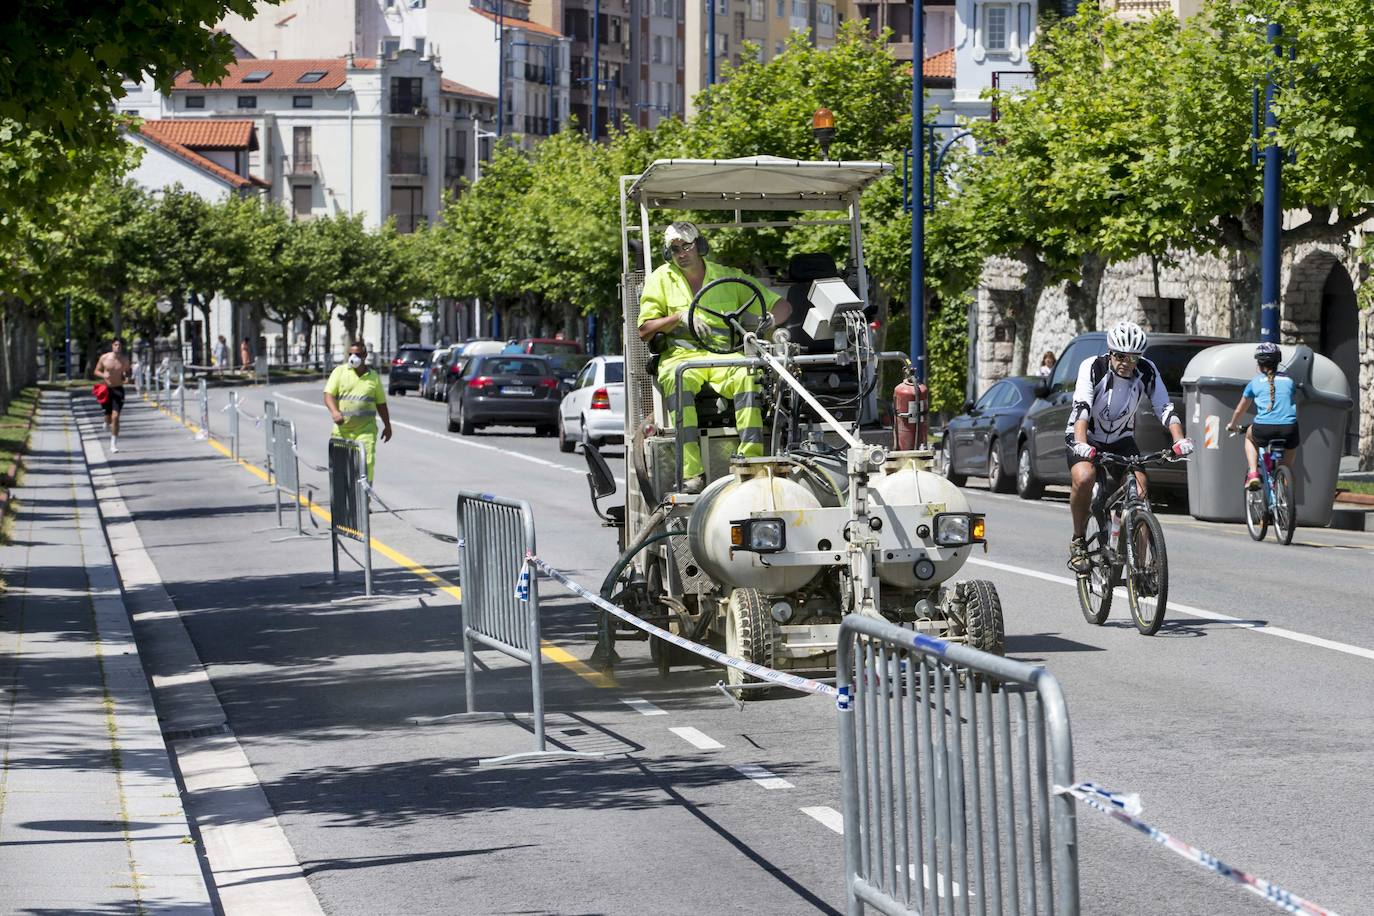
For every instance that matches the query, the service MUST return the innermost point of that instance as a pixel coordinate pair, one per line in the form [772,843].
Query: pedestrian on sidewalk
[245,355]
[221,354]
[113,369]
[355,397]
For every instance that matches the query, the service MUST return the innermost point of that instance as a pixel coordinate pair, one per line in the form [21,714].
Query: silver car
[594,410]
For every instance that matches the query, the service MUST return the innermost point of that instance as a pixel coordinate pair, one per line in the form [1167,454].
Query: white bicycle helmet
[1126,337]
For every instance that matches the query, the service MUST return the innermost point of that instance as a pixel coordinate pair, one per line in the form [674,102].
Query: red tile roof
[364,63]
[452,88]
[940,66]
[205,133]
[196,159]
[525,24]
[281,75]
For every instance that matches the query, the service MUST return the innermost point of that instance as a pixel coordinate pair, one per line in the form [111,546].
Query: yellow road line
[550,651]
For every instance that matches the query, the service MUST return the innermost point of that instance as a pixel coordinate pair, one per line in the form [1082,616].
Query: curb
[11,474]
[1355,499]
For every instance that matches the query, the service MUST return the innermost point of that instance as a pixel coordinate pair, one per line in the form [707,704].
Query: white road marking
[458,440]
[827,816]
[763,777]
[1264,628]
[696,738]
[643,707]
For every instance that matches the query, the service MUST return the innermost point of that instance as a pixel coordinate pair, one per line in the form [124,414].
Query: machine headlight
[957,529]
[758,535]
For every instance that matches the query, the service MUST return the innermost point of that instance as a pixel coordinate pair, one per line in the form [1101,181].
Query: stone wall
[1219,297]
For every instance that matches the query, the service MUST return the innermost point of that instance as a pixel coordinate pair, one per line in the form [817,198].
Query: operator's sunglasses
[1128,359]
[676,250]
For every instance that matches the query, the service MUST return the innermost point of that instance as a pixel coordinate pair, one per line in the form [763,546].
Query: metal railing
[349,506]
[302,166]
[949,758]
[407,164]
[501,597]
[233,410]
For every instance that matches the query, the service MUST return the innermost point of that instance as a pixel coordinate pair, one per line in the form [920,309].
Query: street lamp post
[596,64]
[711,42]
[918,216]
[500,67]
[1273,205]
[612,86]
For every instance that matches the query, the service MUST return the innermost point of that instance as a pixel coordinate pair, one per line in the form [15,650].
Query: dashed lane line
[550,651]
[696,738]
[827,816]
[763,777]
[1263,628]
[643,706]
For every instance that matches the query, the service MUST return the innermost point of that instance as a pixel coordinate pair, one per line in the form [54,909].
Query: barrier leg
[365,500]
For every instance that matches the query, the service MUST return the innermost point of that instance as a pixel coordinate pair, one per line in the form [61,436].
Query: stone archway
[1320,309]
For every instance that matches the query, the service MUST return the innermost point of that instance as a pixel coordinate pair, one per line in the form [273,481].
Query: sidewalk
[91,818]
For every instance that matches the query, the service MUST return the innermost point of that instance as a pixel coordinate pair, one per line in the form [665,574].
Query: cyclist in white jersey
[1109,391]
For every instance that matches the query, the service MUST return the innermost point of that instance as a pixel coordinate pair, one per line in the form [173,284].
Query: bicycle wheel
[1285,506]
[1256,513]
[1095,586]
[1147,575]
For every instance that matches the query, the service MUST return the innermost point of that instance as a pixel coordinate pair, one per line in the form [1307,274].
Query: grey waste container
[1212,386]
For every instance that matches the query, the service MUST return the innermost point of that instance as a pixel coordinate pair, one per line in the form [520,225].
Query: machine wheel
[1028,486]
[564,443]
[983,617]
[749,636]
[1285,505]
[465,426]
[999,481]
[955,478]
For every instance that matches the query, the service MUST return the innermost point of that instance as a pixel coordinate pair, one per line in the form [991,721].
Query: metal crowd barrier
[949,758]
[269,416]
[203,393]
[233,410]
[181,394]
[287,478]
[260,371]
[501,598]
[349,511]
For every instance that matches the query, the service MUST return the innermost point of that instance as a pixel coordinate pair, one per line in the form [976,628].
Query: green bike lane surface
[1200,720]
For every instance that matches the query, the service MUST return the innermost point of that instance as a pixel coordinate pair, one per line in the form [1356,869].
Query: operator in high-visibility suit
[355,397]
[663,307]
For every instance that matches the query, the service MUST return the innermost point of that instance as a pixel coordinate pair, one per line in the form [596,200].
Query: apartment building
[531,84]
[1143,9]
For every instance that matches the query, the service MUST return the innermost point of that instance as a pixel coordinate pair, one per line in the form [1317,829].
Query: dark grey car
[407,369]
[504,390]
[982,440]
[1041,445]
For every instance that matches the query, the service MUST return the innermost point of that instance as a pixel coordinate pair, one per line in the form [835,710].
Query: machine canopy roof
[753,182]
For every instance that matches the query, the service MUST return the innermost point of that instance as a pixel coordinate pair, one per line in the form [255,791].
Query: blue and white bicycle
[1275,500]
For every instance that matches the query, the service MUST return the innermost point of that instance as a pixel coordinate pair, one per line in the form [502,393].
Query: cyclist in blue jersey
[1276,415]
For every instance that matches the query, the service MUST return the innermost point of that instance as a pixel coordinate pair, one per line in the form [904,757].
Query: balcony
[1142,9]
[407,103]
[539,126]
[302,168]
[408,164]
[455,167]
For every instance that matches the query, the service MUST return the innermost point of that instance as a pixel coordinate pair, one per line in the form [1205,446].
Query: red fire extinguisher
[910,405]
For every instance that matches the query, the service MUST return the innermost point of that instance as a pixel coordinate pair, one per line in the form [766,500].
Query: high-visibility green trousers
[736,383]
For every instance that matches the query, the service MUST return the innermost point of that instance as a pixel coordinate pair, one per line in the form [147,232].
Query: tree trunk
[1032,286]
[1083,294]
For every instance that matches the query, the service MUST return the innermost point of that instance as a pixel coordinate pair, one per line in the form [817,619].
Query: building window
[390,46]
[781,8]
[722,44]
[825,14]
[195,101]
[781,46]
[406,146]
[311,76]
[302,198]
[407,94]
[407,206]
[302,158]
[302,101]
[658,49]
[419,46]
[248,101]
[995,21]
[758,10]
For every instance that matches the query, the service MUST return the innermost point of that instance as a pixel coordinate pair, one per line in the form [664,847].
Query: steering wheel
[730,318]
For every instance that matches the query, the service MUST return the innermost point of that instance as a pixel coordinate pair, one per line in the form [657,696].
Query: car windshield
[506,366]
[615,372]
[546,347]
[1172,359]
[418,357]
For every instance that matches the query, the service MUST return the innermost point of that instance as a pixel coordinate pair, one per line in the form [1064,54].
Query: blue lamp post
[918,216]
[1273,206]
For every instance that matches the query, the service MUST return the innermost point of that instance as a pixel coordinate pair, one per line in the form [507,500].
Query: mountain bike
[1276,499]
[1125,543]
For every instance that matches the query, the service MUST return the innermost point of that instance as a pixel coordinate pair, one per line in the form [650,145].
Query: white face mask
[355,360]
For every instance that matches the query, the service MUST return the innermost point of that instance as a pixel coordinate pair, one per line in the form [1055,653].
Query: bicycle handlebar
[1160,457]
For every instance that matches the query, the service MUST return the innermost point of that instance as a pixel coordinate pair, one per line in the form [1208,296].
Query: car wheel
[1028,486]
[999,481]
[586,439]
[564,443]
[546,430]
[452,423]
[465,426]
[950,474]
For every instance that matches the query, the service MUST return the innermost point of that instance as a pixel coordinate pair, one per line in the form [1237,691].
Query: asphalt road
[1244,724]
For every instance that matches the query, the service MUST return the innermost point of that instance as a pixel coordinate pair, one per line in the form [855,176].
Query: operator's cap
[681,231]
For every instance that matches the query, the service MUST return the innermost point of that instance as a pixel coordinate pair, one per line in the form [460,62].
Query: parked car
[594,410]
[567,366]
[432,380]
[982,440]
[1041,445]
[407,369]
[543,346]
[506,390]
[458,357]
